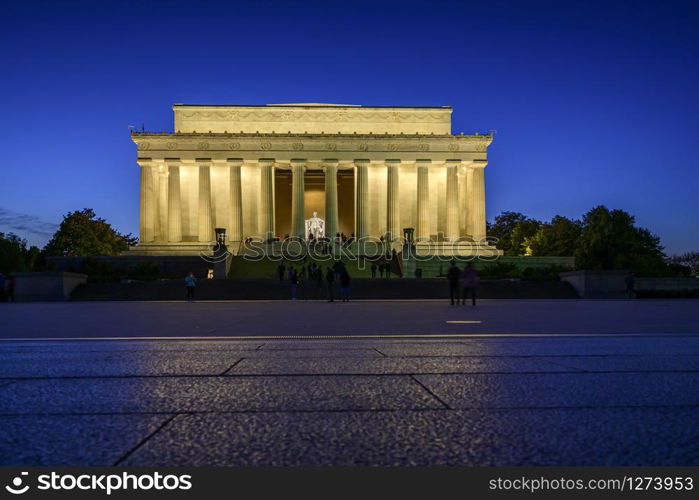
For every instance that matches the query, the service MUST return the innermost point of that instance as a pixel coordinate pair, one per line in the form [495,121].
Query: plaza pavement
[365,383]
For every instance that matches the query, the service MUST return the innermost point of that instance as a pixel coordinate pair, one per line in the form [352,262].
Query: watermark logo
[296,249]
[16,487]
[104,483]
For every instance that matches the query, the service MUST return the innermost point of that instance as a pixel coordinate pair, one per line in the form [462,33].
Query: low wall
[46,286]
[538,262]
[438,265]
[598,284]
[667,284]
[168,266]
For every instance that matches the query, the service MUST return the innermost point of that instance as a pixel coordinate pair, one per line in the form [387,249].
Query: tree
[512,229]
[610,240]
[83,234]
[14,254]
[689,260]
[523,232]
[12,249]
[556,238]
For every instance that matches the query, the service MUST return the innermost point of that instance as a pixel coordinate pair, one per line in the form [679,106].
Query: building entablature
[284,147]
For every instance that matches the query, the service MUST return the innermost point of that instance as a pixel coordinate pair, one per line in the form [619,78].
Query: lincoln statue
[315,227]
[293,169]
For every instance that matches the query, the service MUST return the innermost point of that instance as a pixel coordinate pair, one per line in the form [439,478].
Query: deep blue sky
[593,103]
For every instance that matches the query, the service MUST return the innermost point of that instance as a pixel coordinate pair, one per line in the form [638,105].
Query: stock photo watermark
[296,249]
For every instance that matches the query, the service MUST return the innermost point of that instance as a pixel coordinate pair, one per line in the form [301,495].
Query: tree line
[601,239]
[80,234]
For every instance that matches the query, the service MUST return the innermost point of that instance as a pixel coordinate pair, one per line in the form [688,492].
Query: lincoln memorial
[272,171]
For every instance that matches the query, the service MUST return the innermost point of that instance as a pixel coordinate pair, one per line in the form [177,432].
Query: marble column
[149,204]
[174,207]
[476,202]
[463,203]
[235,202]
[422,231]
[362,209]
[298,192]
[205,227]
[452,229]
[331,210]
[393,229]
[161,226]
[265,219]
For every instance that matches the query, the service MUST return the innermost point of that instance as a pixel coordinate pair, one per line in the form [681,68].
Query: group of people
[383,267]
[324,280]
[462,283]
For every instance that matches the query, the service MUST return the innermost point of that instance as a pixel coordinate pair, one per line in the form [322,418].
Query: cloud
[25,223]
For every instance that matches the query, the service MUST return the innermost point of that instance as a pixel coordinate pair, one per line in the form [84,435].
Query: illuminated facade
[262,171]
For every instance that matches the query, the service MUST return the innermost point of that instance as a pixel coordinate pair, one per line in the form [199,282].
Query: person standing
[190,282]
[373,269]
[469,280]
[453,275]
[2,287]
[280,271]
[330,280]
[294,284]
[345,286]
[630,281]
[338,267]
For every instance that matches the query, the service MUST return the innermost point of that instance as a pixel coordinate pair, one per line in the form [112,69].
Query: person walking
[294,284]
[345,286]
[330,280]
[453,275]
[381,269]
[373,269]
[469,279]
[2,287]
[190,282]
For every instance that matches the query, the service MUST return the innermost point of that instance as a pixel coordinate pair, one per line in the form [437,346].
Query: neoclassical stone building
[262,171]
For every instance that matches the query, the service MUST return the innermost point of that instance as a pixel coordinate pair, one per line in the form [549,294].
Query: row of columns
[161,214]
[161,208]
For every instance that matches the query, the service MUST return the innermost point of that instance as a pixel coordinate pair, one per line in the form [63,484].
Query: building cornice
[309,136]
[304,106]
[391,144]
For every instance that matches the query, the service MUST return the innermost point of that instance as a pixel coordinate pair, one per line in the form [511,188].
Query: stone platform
[375,383]
[494,401]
